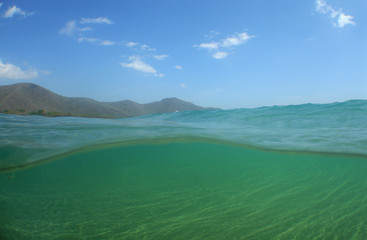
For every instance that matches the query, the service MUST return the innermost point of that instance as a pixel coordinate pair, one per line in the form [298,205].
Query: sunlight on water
[187,190]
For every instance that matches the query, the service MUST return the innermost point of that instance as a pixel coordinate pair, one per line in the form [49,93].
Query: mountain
[29,98]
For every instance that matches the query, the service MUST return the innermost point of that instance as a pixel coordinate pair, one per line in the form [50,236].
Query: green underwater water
[187,190]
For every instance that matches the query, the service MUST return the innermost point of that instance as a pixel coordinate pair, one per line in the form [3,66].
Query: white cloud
[339,18]
[178,67]
[143,47]
[236,40]
[1,4]
[183,85]
[137,64]
[81,39]
[97,41]
[11,71]
[146,47]
[132,44]
[321,6]
[211,45]
[220,55]
[160,57]
[96,20]
[106,43]
[12,11]
[344,20]
[84,29]
[71,27]
[227,43]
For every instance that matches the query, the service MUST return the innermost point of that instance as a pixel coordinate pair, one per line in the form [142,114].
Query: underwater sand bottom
[192,190]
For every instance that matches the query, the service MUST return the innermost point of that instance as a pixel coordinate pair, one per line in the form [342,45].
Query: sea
[280,172]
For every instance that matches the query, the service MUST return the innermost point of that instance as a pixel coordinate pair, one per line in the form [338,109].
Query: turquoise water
[293,172]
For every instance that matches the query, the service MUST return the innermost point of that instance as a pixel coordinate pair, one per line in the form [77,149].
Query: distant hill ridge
[29,98]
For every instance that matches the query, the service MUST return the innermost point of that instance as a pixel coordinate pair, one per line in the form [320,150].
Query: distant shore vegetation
[39,112]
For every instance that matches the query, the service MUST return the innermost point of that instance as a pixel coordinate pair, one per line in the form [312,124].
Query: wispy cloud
[339,18]
[97,41]
[178,67]
[211,45]
[236,40]
[107,43]
[183,85]
[14,10]
[140,46]
[220,55]
[11,71]
[137,63]
[99,20]
[131,44]
[217,47]
[212,34]
[160,57]
[71,27]
[146,47]
[1,4]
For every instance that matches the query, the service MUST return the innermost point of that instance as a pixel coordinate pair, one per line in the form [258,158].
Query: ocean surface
[281,172]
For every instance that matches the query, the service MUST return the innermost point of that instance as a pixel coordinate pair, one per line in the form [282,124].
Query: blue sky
[228,54]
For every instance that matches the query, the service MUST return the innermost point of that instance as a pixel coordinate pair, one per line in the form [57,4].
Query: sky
[227,54]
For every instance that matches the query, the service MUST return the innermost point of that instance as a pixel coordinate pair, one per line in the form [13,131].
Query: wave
[325,128]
